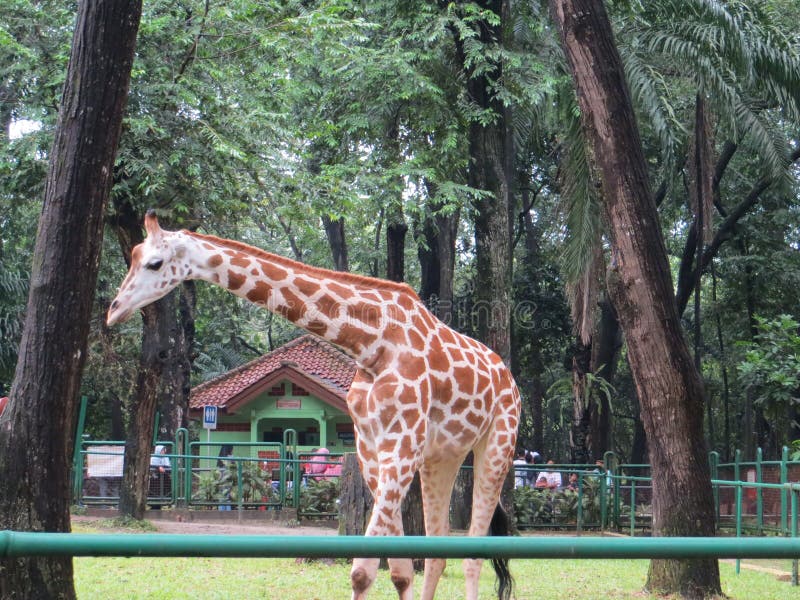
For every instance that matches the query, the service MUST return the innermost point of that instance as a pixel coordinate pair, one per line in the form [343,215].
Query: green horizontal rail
[13,544]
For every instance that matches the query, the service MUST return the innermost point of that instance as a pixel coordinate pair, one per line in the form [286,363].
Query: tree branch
[724,233]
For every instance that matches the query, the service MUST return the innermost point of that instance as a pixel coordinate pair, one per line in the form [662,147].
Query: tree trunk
[606,346]
[396,226]
[491,170]
[175,385]
[436,251]
[639,283]
[582,403]
[396,229]
[334,230]
[355,499]
[162,380]
[142,409]
[36,429]
[534,387]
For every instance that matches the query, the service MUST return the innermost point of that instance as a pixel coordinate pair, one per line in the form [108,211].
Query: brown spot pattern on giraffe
[235,280]
[260,293]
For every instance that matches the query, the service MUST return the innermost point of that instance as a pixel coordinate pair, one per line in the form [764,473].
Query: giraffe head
[157,266]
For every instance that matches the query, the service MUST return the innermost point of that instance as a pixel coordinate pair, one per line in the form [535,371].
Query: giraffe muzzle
[115,315]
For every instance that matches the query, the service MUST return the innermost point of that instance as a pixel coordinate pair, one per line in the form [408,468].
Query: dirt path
[225,528]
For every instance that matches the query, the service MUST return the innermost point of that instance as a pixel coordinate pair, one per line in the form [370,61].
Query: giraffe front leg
[386,519]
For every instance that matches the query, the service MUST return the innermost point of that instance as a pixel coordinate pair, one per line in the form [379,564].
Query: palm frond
[582,254]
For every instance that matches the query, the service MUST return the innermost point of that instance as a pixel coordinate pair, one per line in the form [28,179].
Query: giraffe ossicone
[423,397]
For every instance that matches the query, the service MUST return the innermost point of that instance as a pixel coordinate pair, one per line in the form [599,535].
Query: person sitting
[160,478]
[572,484]
[334,469]
[541,483]
[553,477]
[316,467]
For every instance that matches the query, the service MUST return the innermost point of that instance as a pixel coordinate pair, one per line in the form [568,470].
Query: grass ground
[288,579]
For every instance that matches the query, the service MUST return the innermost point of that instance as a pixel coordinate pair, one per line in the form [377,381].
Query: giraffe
[423,396]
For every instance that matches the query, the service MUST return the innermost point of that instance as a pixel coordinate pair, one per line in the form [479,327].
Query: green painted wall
[314,421]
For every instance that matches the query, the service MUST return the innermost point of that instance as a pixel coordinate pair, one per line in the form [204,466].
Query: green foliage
[320,498]
[542,507]
[771,368]
[222,485]
[13,293]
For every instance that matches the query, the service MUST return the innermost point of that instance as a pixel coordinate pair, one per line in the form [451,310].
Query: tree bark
[582,402]
[334,230]
[606,346]
[639,283]
[436,251]
[396,226]
[36,428]
[396,229]
[355,499]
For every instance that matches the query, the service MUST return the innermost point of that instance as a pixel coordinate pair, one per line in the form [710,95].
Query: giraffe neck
[345,309]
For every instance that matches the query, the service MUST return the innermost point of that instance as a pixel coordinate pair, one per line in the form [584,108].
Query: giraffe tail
[500,526]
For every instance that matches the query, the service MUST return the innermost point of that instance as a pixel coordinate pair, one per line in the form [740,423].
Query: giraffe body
[423,397]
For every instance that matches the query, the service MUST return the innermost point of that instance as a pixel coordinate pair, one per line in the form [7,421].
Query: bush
[320,498]
[222,485]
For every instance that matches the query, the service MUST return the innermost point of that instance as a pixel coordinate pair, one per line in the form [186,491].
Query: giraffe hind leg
[492,460]
[437,480]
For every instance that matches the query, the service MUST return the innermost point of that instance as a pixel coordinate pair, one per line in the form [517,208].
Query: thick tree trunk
[37,426]
[669,387]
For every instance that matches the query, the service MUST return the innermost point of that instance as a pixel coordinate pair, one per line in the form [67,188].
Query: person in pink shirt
[334,469]
[316,467]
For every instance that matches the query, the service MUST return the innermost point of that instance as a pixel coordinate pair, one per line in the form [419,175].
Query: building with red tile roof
[300,386]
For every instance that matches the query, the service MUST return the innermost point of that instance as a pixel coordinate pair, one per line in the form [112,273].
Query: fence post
[184,466]
[633,507]
[610,464]
[759,491]
[795,494]
[785,491]
[77,457]
[713,463]
[580,503]
[738,512]
[239,488]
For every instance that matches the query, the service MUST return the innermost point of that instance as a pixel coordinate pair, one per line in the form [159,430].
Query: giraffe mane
[344,276]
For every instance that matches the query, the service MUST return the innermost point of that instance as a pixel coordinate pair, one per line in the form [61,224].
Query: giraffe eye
[155,264]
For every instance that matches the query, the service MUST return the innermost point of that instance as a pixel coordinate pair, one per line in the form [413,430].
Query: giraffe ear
[151,224]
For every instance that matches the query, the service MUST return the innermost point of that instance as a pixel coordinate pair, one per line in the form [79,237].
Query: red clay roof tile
[316,358]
